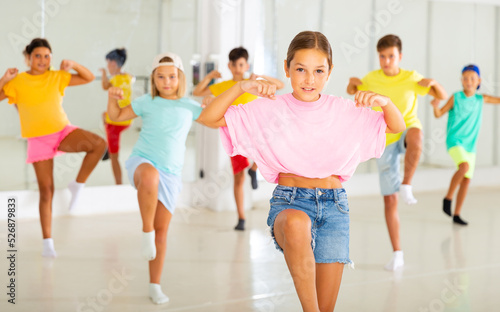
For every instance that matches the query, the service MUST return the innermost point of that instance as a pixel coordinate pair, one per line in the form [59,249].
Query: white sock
[407,195]
[75,188]
[396,262]
[156,295]
[48,248]
[148,245]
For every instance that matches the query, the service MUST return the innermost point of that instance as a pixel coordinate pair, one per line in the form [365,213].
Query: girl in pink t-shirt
[308,143]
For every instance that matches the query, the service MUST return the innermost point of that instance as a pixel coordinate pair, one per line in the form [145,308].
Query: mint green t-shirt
[464,121]
[165,126]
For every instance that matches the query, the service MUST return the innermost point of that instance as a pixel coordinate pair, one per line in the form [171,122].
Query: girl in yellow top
[124,81]
[38,94]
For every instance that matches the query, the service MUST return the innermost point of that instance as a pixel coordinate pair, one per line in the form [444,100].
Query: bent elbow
[90,78]
[397,129]
[402,128]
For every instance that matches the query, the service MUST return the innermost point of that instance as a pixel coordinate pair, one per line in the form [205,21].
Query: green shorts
[460,155]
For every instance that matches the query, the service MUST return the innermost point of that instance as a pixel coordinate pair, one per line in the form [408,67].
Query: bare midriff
[288,179]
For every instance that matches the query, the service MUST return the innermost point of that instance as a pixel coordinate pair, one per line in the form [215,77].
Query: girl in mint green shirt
[156,162]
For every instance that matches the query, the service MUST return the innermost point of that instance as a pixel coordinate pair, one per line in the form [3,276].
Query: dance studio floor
[210,267]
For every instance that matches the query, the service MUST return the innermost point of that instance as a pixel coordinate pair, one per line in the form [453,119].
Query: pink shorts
[45,147]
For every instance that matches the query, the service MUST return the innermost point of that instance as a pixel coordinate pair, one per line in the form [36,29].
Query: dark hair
[181,89]
[37,43]
[117,55]
[389,41]
[238,53]
[309,40]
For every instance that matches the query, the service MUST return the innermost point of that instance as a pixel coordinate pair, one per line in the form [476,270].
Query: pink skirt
[45,147]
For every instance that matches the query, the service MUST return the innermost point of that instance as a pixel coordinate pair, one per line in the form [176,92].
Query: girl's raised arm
[213,115]
[491,99]
[8,76]
[83,75]
[105,81]
[392,115]
[116,113]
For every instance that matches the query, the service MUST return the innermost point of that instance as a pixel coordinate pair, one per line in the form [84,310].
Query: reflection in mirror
[135,25]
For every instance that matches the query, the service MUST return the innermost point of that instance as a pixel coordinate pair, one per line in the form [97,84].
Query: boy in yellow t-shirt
[124,81]
[403,87]
[238,65]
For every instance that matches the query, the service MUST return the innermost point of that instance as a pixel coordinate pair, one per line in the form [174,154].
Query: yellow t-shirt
[124,82]
[221,87]
[403,89]
[39,101]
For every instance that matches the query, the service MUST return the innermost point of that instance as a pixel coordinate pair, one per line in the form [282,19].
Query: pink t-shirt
[330,136]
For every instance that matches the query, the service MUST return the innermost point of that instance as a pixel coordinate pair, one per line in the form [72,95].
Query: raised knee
[296,228]
[149,179]
[463,167]
[100,145]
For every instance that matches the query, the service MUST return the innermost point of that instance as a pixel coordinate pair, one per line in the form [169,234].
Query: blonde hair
[181,89]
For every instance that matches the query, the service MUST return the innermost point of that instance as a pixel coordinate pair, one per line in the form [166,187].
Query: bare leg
[413,151]
[45,178]
[462,193]
[457,179]
[292,229]
[80,140]
[161,224]
[239,180]
[146,179]
[117,171]
[254,167]
[328,278]
[392,219]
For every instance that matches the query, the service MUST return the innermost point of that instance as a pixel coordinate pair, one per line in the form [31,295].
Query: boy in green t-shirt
[238,65]
[464,121]
[402,86]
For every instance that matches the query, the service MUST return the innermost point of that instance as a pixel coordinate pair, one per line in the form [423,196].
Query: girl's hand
[207,100]
[253,76]
[260,88]
[370,99]
[10,74]
[67,65]
[115,93]
[103,71]
[435,102]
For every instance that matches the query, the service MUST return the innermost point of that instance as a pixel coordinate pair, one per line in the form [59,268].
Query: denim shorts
[388,166]
[328,210]
[169,185]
